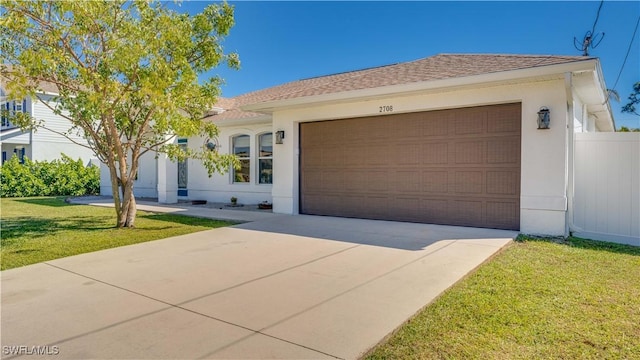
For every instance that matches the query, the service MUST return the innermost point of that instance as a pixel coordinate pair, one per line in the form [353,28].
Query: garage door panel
[469,212]
[470,122]
[409,127]
[354,154]
[500,151]
[378,181]
[435,153]
[356,130]
[409,154]
[312,158]
[378,154]
[332,136]
[355,181]
[312,137]
[332,156]
[501,120]
[501,214]
[332,179]
[470,152]
[312,180]
[469,182]
[406,205]
[352,205]
[435,182]
[434,210]
[436,124]
[503,183]
[454,167]
[408,181]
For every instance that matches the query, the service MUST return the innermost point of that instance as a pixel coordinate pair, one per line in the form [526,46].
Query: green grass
[40,229]
[537,299]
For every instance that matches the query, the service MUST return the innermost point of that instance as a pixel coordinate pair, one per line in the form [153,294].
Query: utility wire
[593,29]
[628,51]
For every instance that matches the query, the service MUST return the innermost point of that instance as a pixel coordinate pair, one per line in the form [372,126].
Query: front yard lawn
[40,229]
[537,299]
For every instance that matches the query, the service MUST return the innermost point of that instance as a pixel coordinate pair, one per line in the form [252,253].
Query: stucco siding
[220,187]
[146,185]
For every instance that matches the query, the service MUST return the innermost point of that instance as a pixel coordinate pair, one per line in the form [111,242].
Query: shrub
[41,178]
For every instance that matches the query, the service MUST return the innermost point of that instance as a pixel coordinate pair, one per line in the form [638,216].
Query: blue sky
[285,41]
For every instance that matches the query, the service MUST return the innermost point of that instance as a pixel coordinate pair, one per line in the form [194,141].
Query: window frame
[243,158]
[259,157]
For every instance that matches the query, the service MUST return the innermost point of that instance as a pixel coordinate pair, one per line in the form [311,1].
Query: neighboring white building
[42,144]
[449,139]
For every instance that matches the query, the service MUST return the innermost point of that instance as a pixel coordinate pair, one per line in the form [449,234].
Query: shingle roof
[438,67]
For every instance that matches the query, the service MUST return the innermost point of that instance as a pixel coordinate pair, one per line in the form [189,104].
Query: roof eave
[252,120]
[591,89]
[270,106]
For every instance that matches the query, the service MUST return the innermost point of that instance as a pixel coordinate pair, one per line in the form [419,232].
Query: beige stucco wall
[544,157]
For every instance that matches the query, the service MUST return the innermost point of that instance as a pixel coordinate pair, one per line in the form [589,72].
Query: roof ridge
[515,55]
[350,71]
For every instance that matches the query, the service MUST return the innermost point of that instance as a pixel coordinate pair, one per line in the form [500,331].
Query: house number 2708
[386,108]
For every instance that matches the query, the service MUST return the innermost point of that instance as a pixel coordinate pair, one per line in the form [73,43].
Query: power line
[628,51]
[593,29]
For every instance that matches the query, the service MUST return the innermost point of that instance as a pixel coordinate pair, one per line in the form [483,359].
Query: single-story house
[461,139]
[44,144]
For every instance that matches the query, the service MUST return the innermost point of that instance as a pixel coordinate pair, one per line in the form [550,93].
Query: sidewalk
[210,211]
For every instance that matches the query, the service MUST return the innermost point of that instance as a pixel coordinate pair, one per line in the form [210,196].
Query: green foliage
[42,178]
[626,129]
[634,99]
[127,77]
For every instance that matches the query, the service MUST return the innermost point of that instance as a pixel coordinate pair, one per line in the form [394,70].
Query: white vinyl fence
[607,187]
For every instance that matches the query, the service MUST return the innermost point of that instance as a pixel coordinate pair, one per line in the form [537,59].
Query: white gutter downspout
[570,227]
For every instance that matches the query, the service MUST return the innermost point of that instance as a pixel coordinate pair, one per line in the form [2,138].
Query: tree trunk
[127,216]
[115,191]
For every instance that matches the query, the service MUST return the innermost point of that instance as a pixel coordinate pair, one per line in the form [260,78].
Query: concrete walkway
[182,209]
[285,287]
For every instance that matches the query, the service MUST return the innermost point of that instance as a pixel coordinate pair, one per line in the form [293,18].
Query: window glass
[265,159]
[266,171]
[266,145]
[242,148]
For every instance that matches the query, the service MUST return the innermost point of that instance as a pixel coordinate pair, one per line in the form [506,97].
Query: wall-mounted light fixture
[543,118]
[279,136]
[211,144]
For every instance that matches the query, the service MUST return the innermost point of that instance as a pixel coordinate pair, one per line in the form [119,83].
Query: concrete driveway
[295,287]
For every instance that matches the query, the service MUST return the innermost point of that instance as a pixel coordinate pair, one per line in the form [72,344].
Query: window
[183,171]
[265,158]
[241,148]
[5,114]
[20,152]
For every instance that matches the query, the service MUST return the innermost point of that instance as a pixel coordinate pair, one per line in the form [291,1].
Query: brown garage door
[455,167]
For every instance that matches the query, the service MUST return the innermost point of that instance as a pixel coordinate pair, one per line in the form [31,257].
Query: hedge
[42,178]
